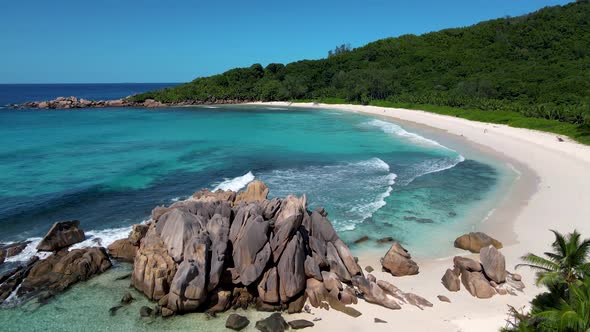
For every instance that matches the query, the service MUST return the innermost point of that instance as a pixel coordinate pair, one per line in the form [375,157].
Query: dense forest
[537,65]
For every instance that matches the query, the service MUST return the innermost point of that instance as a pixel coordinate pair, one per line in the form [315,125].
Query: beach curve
[552,191]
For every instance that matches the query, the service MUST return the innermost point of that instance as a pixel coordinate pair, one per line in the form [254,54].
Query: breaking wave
[236,183]
[353,191]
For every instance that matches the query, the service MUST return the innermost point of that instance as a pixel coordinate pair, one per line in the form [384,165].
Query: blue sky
[175,41]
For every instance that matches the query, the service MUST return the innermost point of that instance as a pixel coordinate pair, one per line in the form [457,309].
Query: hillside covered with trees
[537,65]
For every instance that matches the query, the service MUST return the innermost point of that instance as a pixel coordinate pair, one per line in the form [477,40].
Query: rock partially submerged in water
[223,241]
[61,270]
[11,249]
[61,235]
[475,241]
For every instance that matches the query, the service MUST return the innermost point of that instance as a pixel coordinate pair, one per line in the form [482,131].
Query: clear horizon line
[49,83]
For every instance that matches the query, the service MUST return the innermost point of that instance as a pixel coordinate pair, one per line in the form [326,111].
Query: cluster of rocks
[485,278]
[44,278]
[221,250]
[74,102]
[8,250]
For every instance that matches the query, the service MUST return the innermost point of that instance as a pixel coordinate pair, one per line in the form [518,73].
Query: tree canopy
[537,65]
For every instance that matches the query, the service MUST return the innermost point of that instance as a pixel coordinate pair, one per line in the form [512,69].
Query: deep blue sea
[109,167]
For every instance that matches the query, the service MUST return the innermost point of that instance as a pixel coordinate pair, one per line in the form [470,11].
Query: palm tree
[565,265]
[572,315]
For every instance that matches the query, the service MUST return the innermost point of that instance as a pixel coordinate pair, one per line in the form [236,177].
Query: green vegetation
[506,70]
[566,273]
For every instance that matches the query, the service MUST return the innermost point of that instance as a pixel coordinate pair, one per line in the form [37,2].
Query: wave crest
[236,183]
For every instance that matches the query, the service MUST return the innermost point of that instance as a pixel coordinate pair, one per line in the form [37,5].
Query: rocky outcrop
[398,261]
[11,249]
[59,271]
[482,280]
[260,251]
[74,102]
[62,234]
[475,241]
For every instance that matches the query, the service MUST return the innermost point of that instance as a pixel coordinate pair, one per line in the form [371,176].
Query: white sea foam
[278,108]
[427,166]
[394,129]
[102,238]
[236,183]
[330,185]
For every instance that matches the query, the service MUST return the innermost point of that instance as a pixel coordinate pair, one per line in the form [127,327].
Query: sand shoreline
[552,192]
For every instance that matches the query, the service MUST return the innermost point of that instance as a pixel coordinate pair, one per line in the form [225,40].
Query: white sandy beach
[560,199]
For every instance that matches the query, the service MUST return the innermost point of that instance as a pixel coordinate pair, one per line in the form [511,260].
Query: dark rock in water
[10,280]
[443,298]
[399,262]
[384,240]
[12,249]
[63,269]
[127,298]
[369,268]
[273,323]
[167,312]
[145,311]
[475,241]
[419,220]
[452,214]
[113,310]
[300,324]
[236,322]
[379,320]
[62,234]
[361,239]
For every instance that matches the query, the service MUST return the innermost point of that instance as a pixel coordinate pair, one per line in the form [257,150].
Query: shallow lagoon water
[109,168]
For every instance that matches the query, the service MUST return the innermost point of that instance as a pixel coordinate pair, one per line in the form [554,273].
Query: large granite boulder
[62,234]
[153,268]
[493,263]
[477,284]
[398,261]
[475,241]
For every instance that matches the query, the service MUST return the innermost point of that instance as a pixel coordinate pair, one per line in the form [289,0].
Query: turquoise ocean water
[108,168]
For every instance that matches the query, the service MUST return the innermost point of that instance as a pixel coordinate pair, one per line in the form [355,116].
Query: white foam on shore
[236,183]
